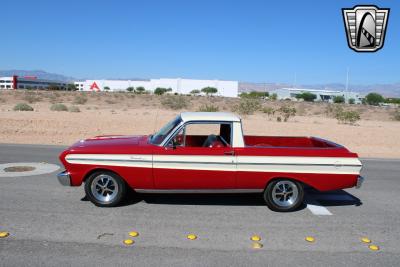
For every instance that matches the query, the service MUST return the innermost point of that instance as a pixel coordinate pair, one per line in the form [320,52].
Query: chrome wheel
[104,188]
[285,193]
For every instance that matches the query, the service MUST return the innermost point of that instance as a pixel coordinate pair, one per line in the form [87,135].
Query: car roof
[209,116]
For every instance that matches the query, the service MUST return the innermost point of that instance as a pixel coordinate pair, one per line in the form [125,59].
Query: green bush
[254,94]
[80,100]
[140,90]
[74,109]
[22,107]
[374,99]
[161,91]
[347,116]
[352,101]
[248,106]
[195,92]
[209,90]
[209,108]
[175,102]
[58,107]
[338,99]
[306,96]
[130,89]
[287,112]
[393,100]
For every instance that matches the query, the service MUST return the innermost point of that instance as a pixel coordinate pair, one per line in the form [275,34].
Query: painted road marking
[318,210]
[315,207]
[39,168]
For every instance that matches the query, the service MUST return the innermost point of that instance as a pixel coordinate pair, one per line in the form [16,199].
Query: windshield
[158,137]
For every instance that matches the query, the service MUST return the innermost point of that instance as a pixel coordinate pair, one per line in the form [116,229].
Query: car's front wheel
[284,195]
[105,189]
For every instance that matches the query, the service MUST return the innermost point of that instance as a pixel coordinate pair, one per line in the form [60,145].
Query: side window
[207,135]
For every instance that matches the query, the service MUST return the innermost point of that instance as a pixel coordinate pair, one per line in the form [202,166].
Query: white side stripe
[328,165]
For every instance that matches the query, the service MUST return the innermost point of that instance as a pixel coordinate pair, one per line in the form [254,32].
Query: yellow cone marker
[133,234]
[4,234]
[191,236]
[257,245]
[373,247]
[128,242]
[310,239]
[255,238]
[366,240]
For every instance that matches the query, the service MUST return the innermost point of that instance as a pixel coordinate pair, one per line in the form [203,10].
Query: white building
[29,82]
[180,86]
[322,95]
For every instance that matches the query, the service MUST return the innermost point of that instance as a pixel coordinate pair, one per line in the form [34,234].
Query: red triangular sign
[94,86]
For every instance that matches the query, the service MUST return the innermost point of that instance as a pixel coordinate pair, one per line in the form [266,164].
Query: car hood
[114,142]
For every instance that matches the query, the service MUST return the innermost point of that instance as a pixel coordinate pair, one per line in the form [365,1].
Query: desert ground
[376,134]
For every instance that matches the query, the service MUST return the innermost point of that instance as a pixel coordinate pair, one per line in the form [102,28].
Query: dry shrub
[247,106]
[287,112]
[58,107]
[80,100]
[74,109]
[269,111]
[110,101]
[31,97]
[348,116]
[22,107]
[175,102]
[209,108]
[396,115]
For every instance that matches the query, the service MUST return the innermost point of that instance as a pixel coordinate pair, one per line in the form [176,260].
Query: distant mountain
[37,73]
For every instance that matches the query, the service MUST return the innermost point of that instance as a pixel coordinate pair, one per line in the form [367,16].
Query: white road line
[315,207]
[318,210]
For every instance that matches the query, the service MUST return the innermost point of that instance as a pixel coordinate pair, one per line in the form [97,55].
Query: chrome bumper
[360,180]
[64,178]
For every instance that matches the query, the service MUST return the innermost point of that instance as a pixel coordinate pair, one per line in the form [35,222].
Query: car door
[193,160]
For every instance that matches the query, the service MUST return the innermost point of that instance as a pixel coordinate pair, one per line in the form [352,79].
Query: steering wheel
[178,140]
[223,140]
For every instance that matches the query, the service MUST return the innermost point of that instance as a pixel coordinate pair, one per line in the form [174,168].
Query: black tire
[105,194]
[282,202]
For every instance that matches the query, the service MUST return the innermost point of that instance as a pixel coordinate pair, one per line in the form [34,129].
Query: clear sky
[257,41]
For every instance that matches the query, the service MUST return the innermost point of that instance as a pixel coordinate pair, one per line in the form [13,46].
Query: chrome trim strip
[64,178]
[203,191]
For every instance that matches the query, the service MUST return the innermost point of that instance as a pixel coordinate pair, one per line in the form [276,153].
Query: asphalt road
[53,225]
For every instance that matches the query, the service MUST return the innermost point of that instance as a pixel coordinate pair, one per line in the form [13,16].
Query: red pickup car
[206,152]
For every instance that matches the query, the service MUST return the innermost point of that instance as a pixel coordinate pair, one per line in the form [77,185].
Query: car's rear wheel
[105,189]
[284,195]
